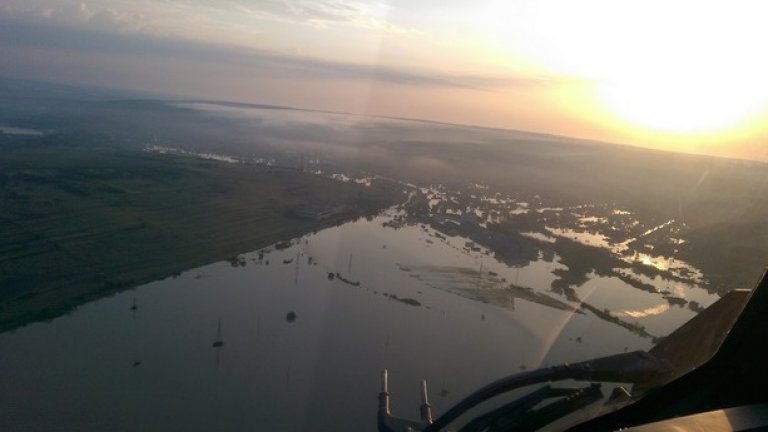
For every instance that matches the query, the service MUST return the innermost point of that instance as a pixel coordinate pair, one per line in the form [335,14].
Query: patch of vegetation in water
[406,300]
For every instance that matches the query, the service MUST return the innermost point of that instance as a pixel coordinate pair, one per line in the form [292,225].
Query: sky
[684,75]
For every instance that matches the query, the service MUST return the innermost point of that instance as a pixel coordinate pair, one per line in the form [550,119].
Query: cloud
[327,69]
[368,15]
[172,17]
[329,11]
[262,63]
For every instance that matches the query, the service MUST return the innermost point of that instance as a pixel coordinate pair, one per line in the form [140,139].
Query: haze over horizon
[645,74]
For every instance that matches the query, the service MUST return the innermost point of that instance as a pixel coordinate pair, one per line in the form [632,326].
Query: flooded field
[293,337]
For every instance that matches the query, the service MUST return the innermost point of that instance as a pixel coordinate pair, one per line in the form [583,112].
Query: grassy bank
[80,224]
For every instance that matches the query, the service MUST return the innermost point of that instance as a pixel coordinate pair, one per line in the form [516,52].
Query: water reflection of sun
[651,311]
[647,260]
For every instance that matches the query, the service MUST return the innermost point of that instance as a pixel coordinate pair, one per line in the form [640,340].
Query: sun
[695,105]
[687,66]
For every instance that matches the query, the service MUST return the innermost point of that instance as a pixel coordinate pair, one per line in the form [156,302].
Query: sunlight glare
[682,67]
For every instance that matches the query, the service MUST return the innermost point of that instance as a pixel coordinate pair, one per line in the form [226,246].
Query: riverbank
[79,224]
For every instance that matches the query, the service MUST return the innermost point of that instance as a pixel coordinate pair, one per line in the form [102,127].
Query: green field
[78,224]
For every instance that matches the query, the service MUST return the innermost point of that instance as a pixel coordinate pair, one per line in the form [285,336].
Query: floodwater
[302,351]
